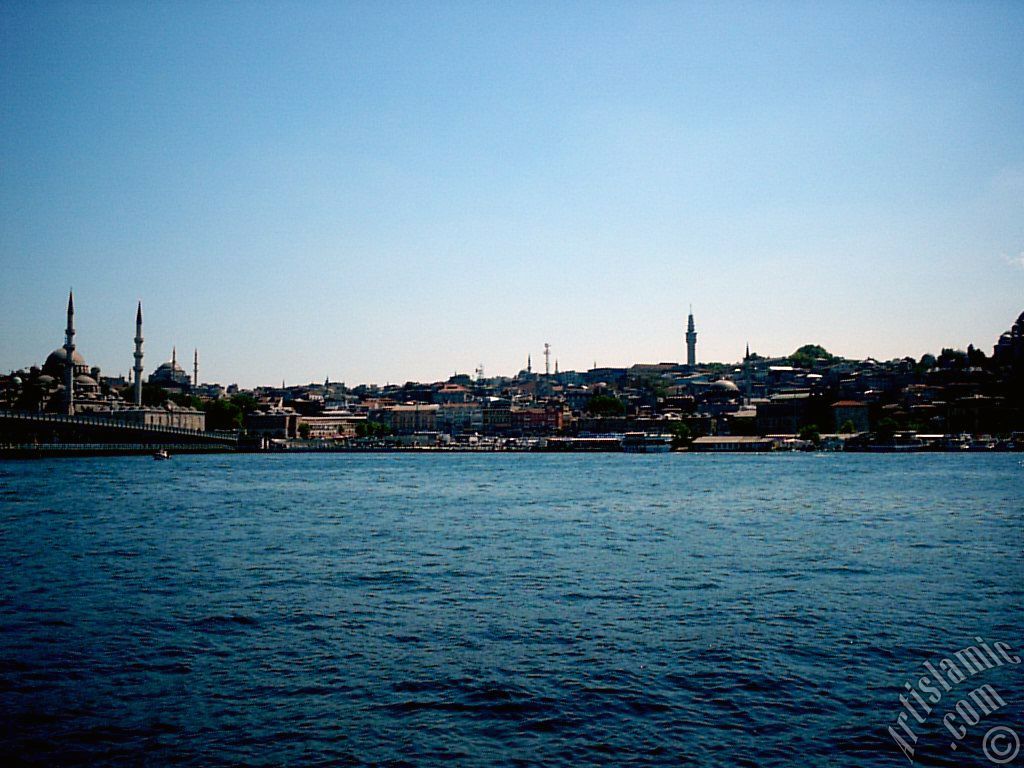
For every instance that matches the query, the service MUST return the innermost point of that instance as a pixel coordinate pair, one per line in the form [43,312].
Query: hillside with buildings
[956,399]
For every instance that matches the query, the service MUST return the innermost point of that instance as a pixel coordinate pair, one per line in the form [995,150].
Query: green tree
[681,435]
[372,429]
[245,403]
[187,401]
[886,429]
[651,384]
[810,432]
[222,414]
[848,427]
[304,430]
[605,405]
[153,395]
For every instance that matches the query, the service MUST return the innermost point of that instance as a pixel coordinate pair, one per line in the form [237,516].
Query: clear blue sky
[392,191]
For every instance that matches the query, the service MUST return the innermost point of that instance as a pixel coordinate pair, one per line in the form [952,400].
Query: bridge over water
[19,430]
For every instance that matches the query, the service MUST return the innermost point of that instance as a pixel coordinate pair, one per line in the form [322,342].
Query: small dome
[86,381]
[46,379]
[724,386]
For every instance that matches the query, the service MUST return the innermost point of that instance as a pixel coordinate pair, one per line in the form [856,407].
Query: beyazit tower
[691,341]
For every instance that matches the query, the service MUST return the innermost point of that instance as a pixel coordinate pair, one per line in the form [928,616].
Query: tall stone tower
[69,365]
[691,341]
[138,357]
[195,369]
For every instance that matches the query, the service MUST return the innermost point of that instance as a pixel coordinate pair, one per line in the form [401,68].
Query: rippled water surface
[489,609]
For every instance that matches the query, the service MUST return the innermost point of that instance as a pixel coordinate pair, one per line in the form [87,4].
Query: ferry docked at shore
[642,442]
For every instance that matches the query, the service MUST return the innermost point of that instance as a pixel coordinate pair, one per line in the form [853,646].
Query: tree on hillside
[153,395]
[245,403]
[952,358]
[808,354]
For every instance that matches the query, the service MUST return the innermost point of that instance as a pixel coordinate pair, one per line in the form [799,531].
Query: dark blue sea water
[496,609]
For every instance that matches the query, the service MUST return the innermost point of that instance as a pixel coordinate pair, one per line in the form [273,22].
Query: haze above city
[392,192]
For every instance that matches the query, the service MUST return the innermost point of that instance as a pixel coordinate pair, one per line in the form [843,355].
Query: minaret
[547,359]
[749,375]
[174,357]
[69,365]
[195,370]
[691,341]
[138,356]
[529,364]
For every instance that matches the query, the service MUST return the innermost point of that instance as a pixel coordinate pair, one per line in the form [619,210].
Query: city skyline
[376,195]
[690,358]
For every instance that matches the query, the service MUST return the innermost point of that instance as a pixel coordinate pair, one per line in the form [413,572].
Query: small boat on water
[161,455]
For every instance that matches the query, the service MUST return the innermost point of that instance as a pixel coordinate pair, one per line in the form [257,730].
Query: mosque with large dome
[170,375]
[66,384]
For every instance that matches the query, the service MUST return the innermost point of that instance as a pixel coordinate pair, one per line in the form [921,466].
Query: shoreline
[30,452]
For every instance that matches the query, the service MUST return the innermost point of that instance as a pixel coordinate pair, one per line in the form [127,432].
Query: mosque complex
[66,385]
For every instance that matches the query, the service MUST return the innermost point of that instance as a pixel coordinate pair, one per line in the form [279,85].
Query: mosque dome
[58,358]
[170,367]
[170,374]
[724,387]
[56,363]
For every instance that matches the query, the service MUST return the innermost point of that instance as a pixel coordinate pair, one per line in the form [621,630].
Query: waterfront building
[168,415]
[536,420]
[496,415]
[783,413]
[460,418]
[853,411]
[328,425]
[411,417]
[279,423]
